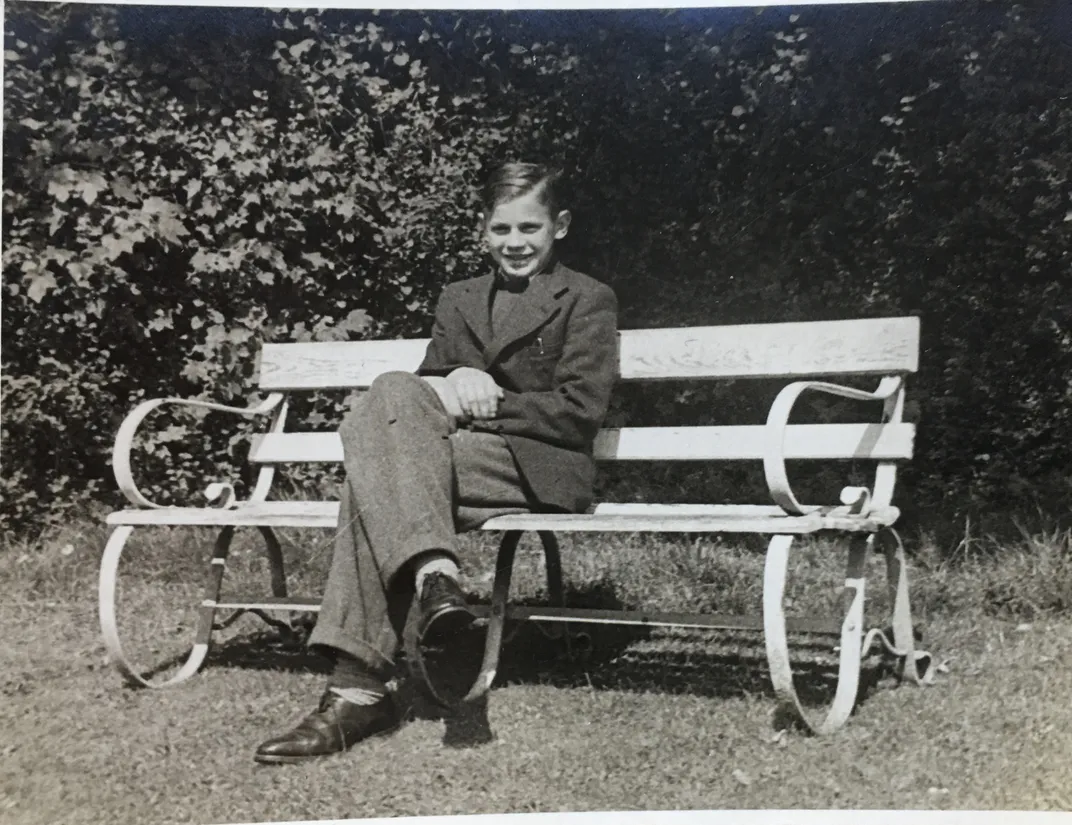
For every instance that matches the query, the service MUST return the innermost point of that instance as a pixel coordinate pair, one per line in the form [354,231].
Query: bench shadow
[258,650]
[715,664]
[709,664]
[603,657]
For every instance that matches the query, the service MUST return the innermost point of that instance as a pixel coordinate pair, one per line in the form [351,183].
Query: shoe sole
[446,625]
[436,648]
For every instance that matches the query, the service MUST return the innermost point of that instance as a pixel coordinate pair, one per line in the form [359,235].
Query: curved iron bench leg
[275,561]
[851,635]
[555,590]
[903,646]
[107,610]
[300,625]
[553,564]
[504,566]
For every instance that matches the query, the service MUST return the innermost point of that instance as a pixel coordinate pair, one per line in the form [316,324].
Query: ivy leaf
[197,371]
[327,330]
[298,49]
[124,189]
[115,246]
[171,229]
[344,207]
[40,285]
[321,156]
[61,184]
[161,321]
[158,206]
[79,272]
[90,186]
[356,321]
[317,260]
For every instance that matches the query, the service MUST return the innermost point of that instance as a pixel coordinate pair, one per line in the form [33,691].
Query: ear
[562,223]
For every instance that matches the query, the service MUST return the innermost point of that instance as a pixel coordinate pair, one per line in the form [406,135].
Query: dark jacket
[556,360]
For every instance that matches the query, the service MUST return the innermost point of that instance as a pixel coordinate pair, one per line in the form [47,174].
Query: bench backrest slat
[880,346]
[803,441]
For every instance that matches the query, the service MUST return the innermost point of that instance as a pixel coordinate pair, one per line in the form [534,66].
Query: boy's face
[521,234]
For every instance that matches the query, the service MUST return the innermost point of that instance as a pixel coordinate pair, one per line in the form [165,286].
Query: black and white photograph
[422,412]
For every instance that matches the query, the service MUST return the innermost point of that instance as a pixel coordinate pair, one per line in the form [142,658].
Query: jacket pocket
[542,366]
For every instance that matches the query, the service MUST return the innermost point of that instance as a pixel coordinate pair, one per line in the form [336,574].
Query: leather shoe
[336,724]
[444,612]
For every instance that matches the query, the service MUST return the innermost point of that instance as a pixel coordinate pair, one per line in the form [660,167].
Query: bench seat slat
[880,442]
[665,523]
[627,518]
[784,350]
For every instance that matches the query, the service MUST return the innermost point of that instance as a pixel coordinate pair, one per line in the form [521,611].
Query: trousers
[413,482]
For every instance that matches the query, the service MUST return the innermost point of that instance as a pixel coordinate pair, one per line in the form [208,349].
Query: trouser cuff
[376,660]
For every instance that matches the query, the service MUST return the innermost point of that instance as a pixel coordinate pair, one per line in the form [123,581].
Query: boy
[499,418]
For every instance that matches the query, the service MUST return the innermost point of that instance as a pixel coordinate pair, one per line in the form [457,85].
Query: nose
[515,240]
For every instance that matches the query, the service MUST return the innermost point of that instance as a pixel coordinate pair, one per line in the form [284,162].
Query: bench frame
[865,516]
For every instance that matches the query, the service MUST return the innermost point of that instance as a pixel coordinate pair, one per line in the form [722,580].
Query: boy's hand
[477,392]
[448,396]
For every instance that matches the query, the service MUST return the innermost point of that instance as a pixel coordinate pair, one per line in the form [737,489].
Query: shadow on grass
[255,651]
[709,664]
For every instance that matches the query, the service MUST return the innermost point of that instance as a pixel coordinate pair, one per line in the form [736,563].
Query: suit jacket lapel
[537,305]
[473,305]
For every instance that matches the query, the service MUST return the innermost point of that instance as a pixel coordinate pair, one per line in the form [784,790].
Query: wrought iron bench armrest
[124,441]
[778,420]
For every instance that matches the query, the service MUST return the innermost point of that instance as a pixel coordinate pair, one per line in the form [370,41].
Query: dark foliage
[183,184]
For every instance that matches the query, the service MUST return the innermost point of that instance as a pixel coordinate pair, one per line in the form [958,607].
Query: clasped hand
[468,393]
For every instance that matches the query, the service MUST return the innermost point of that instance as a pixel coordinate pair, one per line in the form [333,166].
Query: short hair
[514,180]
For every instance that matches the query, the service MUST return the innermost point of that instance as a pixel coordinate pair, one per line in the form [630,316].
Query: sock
[435,563]
[352,679]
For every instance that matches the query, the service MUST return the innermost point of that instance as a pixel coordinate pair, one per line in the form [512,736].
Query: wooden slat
[334,364]
[656,518]
[854,347]
[269,514]
[577,523]
[639,508]
[803,441]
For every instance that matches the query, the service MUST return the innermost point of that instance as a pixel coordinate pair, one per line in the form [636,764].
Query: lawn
[672,721]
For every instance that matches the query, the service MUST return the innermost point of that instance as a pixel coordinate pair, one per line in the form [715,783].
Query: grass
[670,721]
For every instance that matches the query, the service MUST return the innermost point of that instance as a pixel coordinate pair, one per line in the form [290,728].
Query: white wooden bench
[886,349]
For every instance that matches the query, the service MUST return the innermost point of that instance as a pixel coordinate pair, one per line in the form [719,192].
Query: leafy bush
[158,237]
[255,175]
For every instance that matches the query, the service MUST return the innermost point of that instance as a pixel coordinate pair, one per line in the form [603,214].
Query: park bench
[884,349]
